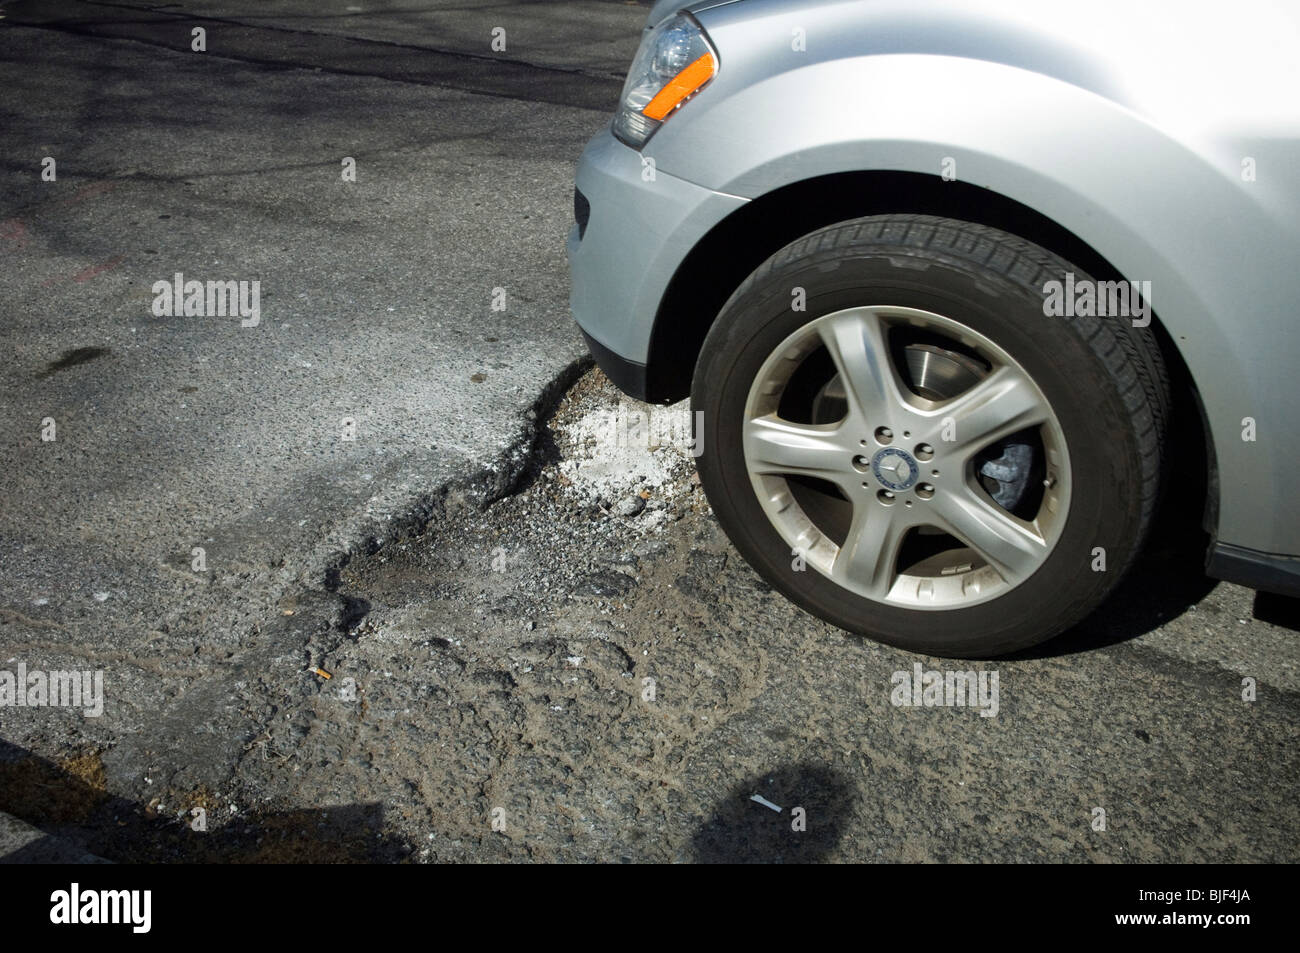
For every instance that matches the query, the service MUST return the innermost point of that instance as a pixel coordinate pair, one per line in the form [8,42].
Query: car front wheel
[898,438]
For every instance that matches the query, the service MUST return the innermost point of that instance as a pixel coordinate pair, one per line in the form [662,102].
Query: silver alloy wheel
[905,463]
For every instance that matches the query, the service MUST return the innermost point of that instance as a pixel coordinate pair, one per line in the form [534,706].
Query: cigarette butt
[320,671]
[765,802]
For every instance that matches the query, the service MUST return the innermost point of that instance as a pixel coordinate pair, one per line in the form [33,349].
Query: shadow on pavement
[68,799]
[1282,611]
[743,831]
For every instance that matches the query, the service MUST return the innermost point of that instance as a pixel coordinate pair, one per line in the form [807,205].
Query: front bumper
[641,224]
[627,376]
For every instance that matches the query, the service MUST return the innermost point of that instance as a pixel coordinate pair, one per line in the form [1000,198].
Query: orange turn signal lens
[680,86]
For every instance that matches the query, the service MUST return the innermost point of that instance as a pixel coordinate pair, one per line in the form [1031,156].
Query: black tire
[1102,377]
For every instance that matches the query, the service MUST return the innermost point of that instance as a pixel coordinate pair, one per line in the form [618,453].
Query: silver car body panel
[1135,126]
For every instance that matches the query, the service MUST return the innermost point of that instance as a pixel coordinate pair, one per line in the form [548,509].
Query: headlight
[675,60]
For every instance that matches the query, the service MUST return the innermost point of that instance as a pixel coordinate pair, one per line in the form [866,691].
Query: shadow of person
[814,802]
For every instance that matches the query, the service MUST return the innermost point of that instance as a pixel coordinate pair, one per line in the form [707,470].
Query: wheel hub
[896,469]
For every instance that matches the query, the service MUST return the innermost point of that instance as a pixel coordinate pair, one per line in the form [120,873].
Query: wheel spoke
[869,557]
[1013,548]
[856,341]
[777,446]
[1000,404]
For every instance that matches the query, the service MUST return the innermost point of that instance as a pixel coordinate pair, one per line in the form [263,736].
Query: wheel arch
[737,245]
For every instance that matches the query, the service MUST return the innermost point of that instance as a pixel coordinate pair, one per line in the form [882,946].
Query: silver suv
[950,287]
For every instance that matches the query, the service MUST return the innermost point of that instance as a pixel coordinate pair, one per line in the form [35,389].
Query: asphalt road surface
[535,651]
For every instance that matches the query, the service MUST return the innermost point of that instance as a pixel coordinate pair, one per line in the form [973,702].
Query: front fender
[1161,204]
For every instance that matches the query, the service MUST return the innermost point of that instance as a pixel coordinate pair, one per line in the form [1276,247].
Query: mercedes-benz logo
[895,468]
